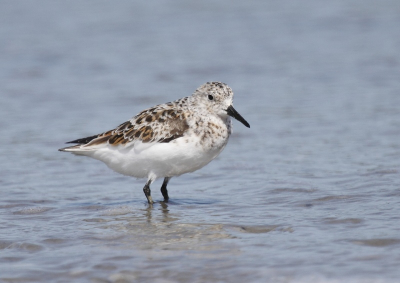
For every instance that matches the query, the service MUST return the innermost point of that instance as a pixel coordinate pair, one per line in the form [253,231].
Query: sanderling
[167,140]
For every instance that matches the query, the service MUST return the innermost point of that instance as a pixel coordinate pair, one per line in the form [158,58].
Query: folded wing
[160,124]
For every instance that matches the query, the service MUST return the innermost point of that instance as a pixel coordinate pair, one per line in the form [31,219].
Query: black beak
[233,113]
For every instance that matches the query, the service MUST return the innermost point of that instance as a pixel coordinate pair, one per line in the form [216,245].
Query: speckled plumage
[168,139]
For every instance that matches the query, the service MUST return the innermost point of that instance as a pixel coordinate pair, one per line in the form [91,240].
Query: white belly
[158,159]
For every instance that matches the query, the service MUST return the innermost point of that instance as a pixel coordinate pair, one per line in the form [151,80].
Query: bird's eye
[210,97]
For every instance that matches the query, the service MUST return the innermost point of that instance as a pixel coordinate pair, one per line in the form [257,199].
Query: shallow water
[311,193]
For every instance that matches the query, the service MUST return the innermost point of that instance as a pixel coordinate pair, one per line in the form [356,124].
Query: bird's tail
[87,144]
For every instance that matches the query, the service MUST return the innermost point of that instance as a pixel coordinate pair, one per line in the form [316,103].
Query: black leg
[164,188]
[147,192]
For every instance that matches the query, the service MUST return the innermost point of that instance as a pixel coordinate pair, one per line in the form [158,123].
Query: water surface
[310,193]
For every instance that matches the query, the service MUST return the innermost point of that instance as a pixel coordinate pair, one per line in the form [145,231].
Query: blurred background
[310,193]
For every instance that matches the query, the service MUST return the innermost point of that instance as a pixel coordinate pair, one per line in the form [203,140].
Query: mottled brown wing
[158,124]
